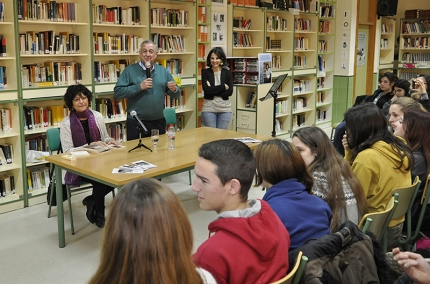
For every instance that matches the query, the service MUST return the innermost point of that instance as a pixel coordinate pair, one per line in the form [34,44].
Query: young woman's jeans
[216,119]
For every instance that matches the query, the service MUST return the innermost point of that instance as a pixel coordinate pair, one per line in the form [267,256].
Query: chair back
[378,221]
[170,115]
[54,142]
[294,273]
[426,191]
[406,198]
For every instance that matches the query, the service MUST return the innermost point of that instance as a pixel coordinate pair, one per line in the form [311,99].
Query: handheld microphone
[139,122]
[148,69]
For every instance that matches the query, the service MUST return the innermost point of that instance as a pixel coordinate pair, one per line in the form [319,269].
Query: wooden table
[99,166]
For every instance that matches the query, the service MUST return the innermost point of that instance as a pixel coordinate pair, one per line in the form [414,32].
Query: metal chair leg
[69,201]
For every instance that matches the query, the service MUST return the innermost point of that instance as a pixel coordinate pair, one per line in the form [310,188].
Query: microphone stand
[140,144]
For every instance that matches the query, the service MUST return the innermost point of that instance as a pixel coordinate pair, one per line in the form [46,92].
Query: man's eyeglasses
[150,51]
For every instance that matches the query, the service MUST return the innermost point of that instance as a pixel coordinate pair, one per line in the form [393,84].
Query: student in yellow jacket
[380,160]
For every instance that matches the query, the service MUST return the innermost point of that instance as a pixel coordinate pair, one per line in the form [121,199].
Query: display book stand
[140,144]
[273,93]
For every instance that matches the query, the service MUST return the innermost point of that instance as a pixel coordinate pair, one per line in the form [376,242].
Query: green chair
[406,242]
[377,222]
[170,116]
[54,142]
[296,273]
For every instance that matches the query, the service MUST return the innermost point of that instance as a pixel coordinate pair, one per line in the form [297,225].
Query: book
[7,150]
[96,148]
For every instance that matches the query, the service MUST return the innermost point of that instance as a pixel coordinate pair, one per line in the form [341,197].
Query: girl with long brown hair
[148,239]
[334,180]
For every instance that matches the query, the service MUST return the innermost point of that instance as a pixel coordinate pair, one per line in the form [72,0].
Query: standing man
[145,94]
[248,242]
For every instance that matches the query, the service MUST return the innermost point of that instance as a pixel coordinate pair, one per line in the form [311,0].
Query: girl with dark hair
[380,160]
[217,83]
[148,239]
[397,109]
[81,127]
[401,89]
[327,167]
[289,191]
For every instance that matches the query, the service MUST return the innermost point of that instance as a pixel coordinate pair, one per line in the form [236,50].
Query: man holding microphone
[144,84]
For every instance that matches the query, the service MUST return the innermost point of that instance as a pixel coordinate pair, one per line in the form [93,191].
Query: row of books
[300,61]
[36,142]
[6,120]
[302,25]
[252,3]
[276,23]
[324,27]
[6,154]
[242,40]
[245,78]
[173,65]
[2,12]
[408,75]
[320,83]
[415,57]
[422,26]
[175,102]
[7,184]
[327,11]
[417,13]
[321,63]
[117,131]
[301,43]
[48,42]
[320,97]
[321,114]
[241,23]
[105,43]
[201,15]
[276,62]
[203,33]
[273,44]
[298,120]
[47,10]
[387,28]
[302,86]
[416,42]
[385,43]
[111,108]
[39,117]
[279,126]
[116,15]
[251,101]
[168,43]
[169,17]
[38,177]
[201,55]
[245,64]
[299,103]
[322,46]
[51,73]
[3,78]
[2,45]
[106,72]
[281,107]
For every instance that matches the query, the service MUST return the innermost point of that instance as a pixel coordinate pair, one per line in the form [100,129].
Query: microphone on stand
[139,122]
[148,69]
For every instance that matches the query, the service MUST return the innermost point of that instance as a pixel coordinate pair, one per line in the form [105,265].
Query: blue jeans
[216,119]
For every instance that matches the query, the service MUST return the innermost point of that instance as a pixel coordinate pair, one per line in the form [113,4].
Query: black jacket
[211,91]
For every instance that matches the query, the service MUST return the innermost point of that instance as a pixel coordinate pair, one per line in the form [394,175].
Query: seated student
[380,160]
[148,238]
[401,89]
[383,94]
[398,107]
[346,198]
[414,265]
[247,243]
[281,169]
[420,90]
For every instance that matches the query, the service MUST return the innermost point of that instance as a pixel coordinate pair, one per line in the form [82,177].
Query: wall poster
[219,28]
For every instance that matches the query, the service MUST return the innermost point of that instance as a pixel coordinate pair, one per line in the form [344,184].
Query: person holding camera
[420,90]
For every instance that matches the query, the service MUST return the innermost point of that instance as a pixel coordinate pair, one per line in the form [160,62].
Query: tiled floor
[29,250]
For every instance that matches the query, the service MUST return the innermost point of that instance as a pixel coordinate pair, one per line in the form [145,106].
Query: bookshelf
[325,64]
[386,44]
[414,52]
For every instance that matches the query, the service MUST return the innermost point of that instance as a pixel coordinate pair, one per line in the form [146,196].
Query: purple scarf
[79,139]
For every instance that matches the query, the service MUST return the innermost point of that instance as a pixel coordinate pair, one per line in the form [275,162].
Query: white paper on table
[127,171]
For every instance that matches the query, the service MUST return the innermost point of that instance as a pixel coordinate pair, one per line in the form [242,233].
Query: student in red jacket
[247,242]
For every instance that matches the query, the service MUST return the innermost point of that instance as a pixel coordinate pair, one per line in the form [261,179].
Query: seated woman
[281,169]
[413,128]
[327,167]
[85,127]
[383,94]
[401,89]
[148,238]
[420,89]
[398,107]
[380,160]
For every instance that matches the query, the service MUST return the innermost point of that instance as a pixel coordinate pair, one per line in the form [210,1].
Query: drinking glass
[155,135]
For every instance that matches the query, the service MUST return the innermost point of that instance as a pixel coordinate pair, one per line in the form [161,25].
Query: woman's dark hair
[415,123]
[74,90]
[218,51]
[390,76]
[365,125]
[403,84]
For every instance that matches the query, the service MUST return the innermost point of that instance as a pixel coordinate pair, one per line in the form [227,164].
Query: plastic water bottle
[171,138]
